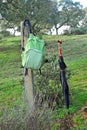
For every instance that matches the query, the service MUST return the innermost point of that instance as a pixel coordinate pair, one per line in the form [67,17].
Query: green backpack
[34,53]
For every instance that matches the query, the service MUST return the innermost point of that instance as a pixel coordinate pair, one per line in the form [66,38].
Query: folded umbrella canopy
[63,80]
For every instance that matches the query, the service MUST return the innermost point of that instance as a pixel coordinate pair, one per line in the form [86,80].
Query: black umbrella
[63,80]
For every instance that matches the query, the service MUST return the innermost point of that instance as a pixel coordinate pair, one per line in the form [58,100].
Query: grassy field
[75,55]
[10,73]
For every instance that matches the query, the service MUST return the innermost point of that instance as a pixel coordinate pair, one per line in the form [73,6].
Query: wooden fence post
[28,81]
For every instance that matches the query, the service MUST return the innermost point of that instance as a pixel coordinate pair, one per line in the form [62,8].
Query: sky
[82,2]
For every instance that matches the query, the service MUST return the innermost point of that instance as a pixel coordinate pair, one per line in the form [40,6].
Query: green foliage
[58,14]
[66,32]
[71,12]
[79,30]
[4,34]
[80,122]
[16,11]
[47,85]
[76,30]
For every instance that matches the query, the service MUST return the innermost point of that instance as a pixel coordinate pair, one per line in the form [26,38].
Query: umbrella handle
[59,48]
[59,42]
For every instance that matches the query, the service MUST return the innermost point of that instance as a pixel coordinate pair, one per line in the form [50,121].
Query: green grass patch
[10,73]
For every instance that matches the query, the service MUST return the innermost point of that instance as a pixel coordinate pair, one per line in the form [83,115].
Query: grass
[75,55]
[10,73]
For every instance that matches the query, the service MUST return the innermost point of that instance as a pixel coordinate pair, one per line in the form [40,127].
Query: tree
[71,13]
[84,21]
[36,10]
[54,16]
[43,14]
[9,14]
[66,12]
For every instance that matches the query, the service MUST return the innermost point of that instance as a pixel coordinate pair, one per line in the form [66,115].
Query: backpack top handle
[27,21]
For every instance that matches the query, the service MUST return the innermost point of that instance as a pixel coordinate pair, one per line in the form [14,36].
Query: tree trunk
[14,31]
[56,29]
